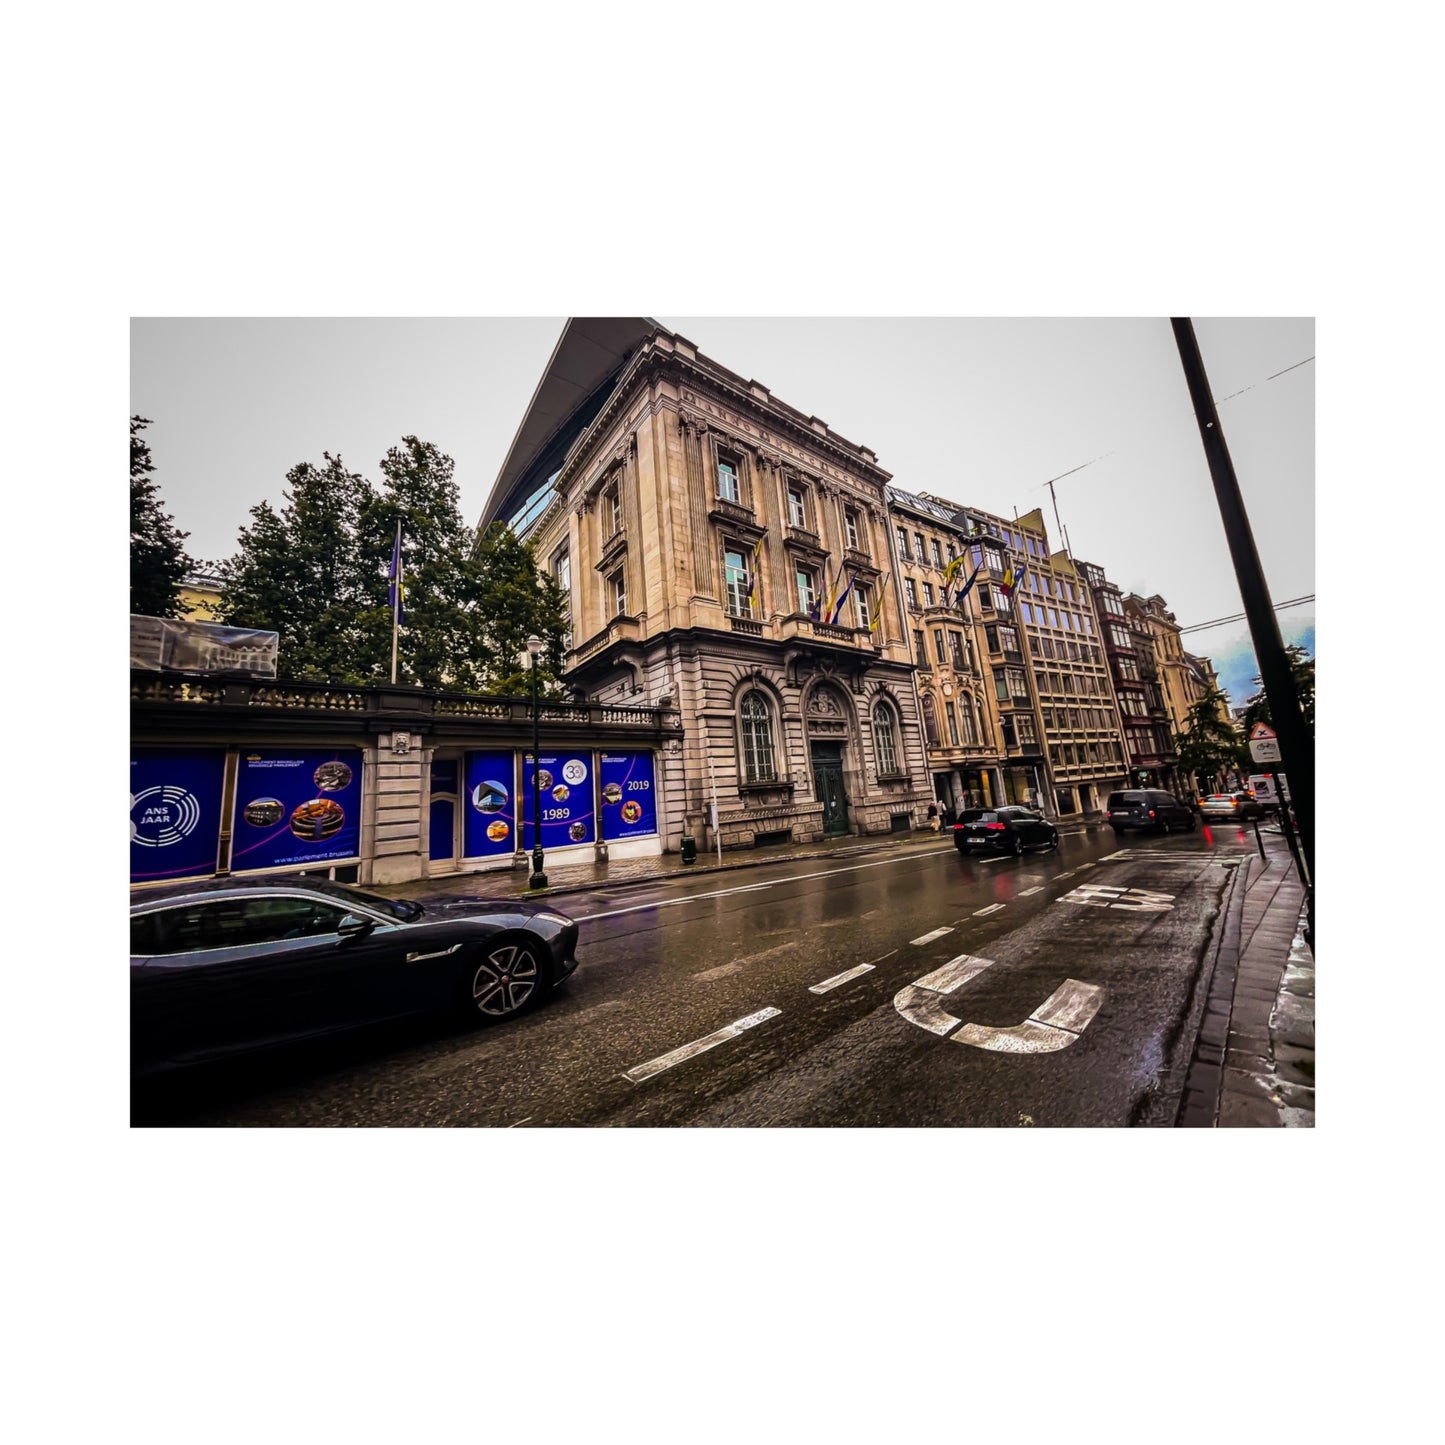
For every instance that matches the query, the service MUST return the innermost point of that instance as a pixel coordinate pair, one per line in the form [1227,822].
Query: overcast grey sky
[979,411]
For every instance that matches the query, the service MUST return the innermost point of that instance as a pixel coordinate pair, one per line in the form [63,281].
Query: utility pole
[1297,747]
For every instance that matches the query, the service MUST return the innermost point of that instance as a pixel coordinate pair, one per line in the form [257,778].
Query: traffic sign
[1263,744]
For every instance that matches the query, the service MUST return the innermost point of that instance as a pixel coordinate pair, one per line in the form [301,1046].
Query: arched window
[930,721]
[885,739]
[757,719]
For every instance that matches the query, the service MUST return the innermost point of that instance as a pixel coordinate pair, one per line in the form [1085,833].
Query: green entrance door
[828,787]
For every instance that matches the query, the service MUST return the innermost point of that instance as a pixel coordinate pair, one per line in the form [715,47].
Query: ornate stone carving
[823,704]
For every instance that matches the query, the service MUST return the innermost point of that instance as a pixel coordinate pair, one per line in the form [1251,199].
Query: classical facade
[727,556]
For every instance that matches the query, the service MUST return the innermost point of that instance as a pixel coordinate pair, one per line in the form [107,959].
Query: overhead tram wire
[1240,616]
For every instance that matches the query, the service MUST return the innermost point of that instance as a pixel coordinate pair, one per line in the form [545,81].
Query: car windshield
[402,908]
[1123,800]
[978,815]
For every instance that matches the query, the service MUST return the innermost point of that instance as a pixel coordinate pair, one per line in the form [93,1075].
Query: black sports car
[233,964]
[1006,830]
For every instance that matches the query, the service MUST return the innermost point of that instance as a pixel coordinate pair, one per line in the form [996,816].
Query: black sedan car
[1002,830]
[233,964]
[1148,811]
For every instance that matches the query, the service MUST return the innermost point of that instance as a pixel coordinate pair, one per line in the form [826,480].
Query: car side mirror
[354,926]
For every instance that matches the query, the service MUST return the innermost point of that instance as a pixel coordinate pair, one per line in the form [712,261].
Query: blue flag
[842,598]
[396,587]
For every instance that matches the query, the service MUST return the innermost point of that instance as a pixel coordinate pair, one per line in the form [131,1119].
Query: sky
[981,411]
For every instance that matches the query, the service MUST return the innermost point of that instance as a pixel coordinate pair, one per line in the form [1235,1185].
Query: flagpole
[395,597]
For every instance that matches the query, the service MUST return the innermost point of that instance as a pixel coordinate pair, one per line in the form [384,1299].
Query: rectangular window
[938,649]
[937,552]
[912,588]
[797,507]
[617,585]
[1053,618]
[1000,684]
[1028,734]
[902,544]
[955,650]
[1008,638]
[1027,611]
[1018,684]
[862,606]
[611,509]
[562,571]
[928,594]
[850,527]
[918,648]
[970,727]
[952,715]
[738,584]
[985,597]
[990,633]
[807,583]
[921,553]
[727,481]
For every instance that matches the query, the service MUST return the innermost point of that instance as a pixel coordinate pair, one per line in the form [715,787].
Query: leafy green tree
[1209,743]
[299,573]
[158,560]
[1302,666]
[316,572]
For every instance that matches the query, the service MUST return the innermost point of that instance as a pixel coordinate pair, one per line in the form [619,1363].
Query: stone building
[729,556]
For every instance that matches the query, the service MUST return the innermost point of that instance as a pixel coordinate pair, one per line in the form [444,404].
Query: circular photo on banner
[497,830]
[612,793]
[577,832]
[318,819]
[264,812]
[561,793]
[331,777]
[544,779]
[575,771]
[631,811]
[490,797]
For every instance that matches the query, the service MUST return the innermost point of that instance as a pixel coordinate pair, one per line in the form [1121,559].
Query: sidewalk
[586,877]
[1254,1064]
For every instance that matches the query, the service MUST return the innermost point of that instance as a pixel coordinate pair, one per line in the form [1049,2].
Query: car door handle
[440,953]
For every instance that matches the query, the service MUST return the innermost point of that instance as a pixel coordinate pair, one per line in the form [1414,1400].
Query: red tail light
[1151,812]
[994,827]
[957,827]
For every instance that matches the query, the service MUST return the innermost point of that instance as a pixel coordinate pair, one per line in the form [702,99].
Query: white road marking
[929,937]
[1038,888]
[982,912]
[921,1002]
[1069,874]
[839,978]
[698,1046]
[1054,1025]
[1130,900]
[721,971]
[774,883]
[1082,866]
[520,1122]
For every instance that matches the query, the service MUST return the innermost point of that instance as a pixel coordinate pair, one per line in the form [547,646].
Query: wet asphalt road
[1114,931]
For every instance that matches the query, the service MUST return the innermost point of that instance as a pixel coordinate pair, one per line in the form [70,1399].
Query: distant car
[1002,830]
[228,965]
[1149,811]
[1232,805]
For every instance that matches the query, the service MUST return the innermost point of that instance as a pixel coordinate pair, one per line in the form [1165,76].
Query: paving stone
[1239,1111]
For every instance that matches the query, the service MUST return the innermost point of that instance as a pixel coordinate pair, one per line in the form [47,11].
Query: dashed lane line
[1037,888]
[984,912]
[929,937]
[840,978]
[698,1046]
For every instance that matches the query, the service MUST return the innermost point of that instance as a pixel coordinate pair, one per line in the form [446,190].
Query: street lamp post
[538,878]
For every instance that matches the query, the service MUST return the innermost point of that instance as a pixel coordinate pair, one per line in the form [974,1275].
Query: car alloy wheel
[505,979]
[1016,846]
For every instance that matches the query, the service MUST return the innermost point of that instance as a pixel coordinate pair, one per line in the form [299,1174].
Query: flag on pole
[842,598]
[1013,578]
[878,608]
[827,608]
[396,588]
[755,592]
[967,587]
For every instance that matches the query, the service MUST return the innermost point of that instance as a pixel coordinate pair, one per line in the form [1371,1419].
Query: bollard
[1257,838]
[689,848]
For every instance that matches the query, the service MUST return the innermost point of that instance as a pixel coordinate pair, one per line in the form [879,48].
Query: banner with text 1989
[629,800]
[566,784]
[295,807]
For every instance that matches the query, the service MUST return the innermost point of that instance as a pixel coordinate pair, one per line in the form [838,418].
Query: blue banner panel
[629,798]
[296,806]
[491,810]
[175,813]
[566,781]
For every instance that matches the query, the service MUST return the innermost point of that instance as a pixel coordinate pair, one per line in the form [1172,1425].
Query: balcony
[620,629]
[612,549]
[798,627]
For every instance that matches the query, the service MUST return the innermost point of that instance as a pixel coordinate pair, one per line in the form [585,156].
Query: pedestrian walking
[933,817]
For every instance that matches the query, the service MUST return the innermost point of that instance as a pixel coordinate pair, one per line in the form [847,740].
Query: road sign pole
[1297,748]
